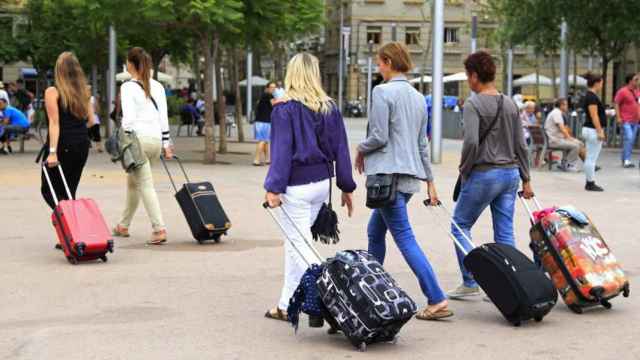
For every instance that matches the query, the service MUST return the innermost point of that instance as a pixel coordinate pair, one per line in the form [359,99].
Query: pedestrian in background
[494,160]
[94,131]
[68,106]
[592,130]
[144,111]
[4,94]
[397,144]
[560,136]
[308,138]
[628,115]
[263,125]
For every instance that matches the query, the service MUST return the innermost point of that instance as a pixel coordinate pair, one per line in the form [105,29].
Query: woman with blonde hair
[307,138]
[69,112]
[144,112]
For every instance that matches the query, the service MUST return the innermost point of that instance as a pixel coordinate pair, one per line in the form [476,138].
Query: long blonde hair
[302,83]
[72,85]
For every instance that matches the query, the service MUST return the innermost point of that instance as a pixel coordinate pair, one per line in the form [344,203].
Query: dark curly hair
[482,64]
[592,78]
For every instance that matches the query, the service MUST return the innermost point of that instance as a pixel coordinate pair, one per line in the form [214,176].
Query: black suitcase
[201,207]
[516,286]
[364,299]
[360,298]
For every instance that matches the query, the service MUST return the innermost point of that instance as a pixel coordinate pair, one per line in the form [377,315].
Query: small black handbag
[381,190]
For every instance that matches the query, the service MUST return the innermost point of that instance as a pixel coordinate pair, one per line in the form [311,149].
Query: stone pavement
[190,301]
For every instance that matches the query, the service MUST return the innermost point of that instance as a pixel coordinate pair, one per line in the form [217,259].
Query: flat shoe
[438,315]
[277,315]
[157,242]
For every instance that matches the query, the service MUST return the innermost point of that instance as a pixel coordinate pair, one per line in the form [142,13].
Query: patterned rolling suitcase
[581,265]
[359,297]
[515,285]
[201,207]
[81,229]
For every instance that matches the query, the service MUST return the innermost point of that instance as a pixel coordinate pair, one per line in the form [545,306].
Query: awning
[162,77]
[531,80]
[581,81]
[28,73]
[255,81]
[426,79]
[461,76]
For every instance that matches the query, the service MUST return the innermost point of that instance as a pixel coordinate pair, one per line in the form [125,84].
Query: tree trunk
[605,68]
[553,75]
[217,51]
[637,57]
[575,76]
[209,139]
[537,76]
[235,76]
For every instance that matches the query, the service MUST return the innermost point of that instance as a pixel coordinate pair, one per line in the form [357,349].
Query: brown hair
[482,64]
[141,61]
[592,79]
[397,55]
[71,84]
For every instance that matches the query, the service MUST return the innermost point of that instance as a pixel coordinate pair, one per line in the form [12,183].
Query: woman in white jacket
[144,111]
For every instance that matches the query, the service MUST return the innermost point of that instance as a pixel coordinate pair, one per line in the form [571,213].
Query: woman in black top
[69,112]
[592,131]
[263,124]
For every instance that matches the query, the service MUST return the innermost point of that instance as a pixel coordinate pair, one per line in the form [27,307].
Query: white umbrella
[531,80]
[581,81]
[425,79]
[162,77]
[461,76]
[255,81]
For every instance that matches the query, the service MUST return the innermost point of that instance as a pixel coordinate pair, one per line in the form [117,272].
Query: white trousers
[302,203]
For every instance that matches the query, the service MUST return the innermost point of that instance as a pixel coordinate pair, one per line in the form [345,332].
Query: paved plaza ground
[190,301]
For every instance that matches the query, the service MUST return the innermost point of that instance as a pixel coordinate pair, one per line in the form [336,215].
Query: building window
[412,36]
[374,34]
[451,35]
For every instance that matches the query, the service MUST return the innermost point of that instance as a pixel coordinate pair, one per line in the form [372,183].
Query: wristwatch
[52,150]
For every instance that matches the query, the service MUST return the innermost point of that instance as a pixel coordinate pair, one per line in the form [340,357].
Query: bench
[540,140]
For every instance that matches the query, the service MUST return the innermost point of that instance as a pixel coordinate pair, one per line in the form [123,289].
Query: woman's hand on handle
[52,160]
[527,190]
[432,194]
[273,200]
[347,200]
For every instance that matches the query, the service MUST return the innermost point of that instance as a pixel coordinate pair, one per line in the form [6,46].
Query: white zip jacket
[140,115]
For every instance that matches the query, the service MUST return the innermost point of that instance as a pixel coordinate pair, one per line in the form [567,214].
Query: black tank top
[73,130]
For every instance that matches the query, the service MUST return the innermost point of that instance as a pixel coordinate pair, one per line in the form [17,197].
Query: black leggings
[72,158]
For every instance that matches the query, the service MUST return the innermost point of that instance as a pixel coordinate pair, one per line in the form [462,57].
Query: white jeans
[302,203]
[594,146]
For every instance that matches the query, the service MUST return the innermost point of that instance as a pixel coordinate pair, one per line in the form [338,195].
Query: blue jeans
[396,219]
[496,188]
[629,134]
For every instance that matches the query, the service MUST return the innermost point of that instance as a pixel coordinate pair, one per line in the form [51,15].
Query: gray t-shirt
[503,147]
[552,125]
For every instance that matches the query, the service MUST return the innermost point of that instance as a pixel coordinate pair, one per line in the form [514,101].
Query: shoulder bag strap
[151,97]
[484,136]
[329,162]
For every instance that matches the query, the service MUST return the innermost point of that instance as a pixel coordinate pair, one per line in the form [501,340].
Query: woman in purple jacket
[307,138]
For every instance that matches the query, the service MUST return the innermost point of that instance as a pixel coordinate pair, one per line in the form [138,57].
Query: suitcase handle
[166,168]
[271,212]
[64,181]
[526,206]
[441,206]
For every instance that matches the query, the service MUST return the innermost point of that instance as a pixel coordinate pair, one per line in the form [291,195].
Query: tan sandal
[276,314]
[426,314]
[120,231]
[158,238]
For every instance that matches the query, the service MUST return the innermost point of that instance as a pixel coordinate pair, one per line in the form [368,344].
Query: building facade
[409,21]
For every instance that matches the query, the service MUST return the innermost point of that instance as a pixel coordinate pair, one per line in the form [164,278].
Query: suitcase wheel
[362,347]
[216,238]
[517,323]
[110,245]
[606,304]
[72,260]
[538,318]
[104,258]
[626,290]
[575,308]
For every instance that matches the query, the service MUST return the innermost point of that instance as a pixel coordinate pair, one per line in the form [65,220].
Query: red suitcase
[578,260]
[80,226]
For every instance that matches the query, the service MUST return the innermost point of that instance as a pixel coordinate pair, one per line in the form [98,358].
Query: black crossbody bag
[458,187]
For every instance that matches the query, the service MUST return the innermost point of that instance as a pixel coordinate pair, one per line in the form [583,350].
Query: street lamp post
[510,71]
[564,62]
[341,55]
[474,33]
[437,85]
[249,83]
[369,76]
[111,81]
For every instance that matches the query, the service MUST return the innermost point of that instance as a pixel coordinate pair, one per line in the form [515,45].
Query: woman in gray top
[494,160]
[397,144]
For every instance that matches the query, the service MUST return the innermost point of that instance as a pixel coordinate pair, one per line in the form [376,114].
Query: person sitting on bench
[14,123]
[560,137]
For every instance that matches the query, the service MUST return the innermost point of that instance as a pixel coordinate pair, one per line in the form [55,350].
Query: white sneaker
[463,291]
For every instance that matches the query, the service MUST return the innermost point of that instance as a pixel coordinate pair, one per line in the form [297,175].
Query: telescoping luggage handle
[271,212]
[526,206]
[164,163]
[441,222]
[64,181]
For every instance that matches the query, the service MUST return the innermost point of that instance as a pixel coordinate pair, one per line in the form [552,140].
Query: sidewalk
[190,301]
